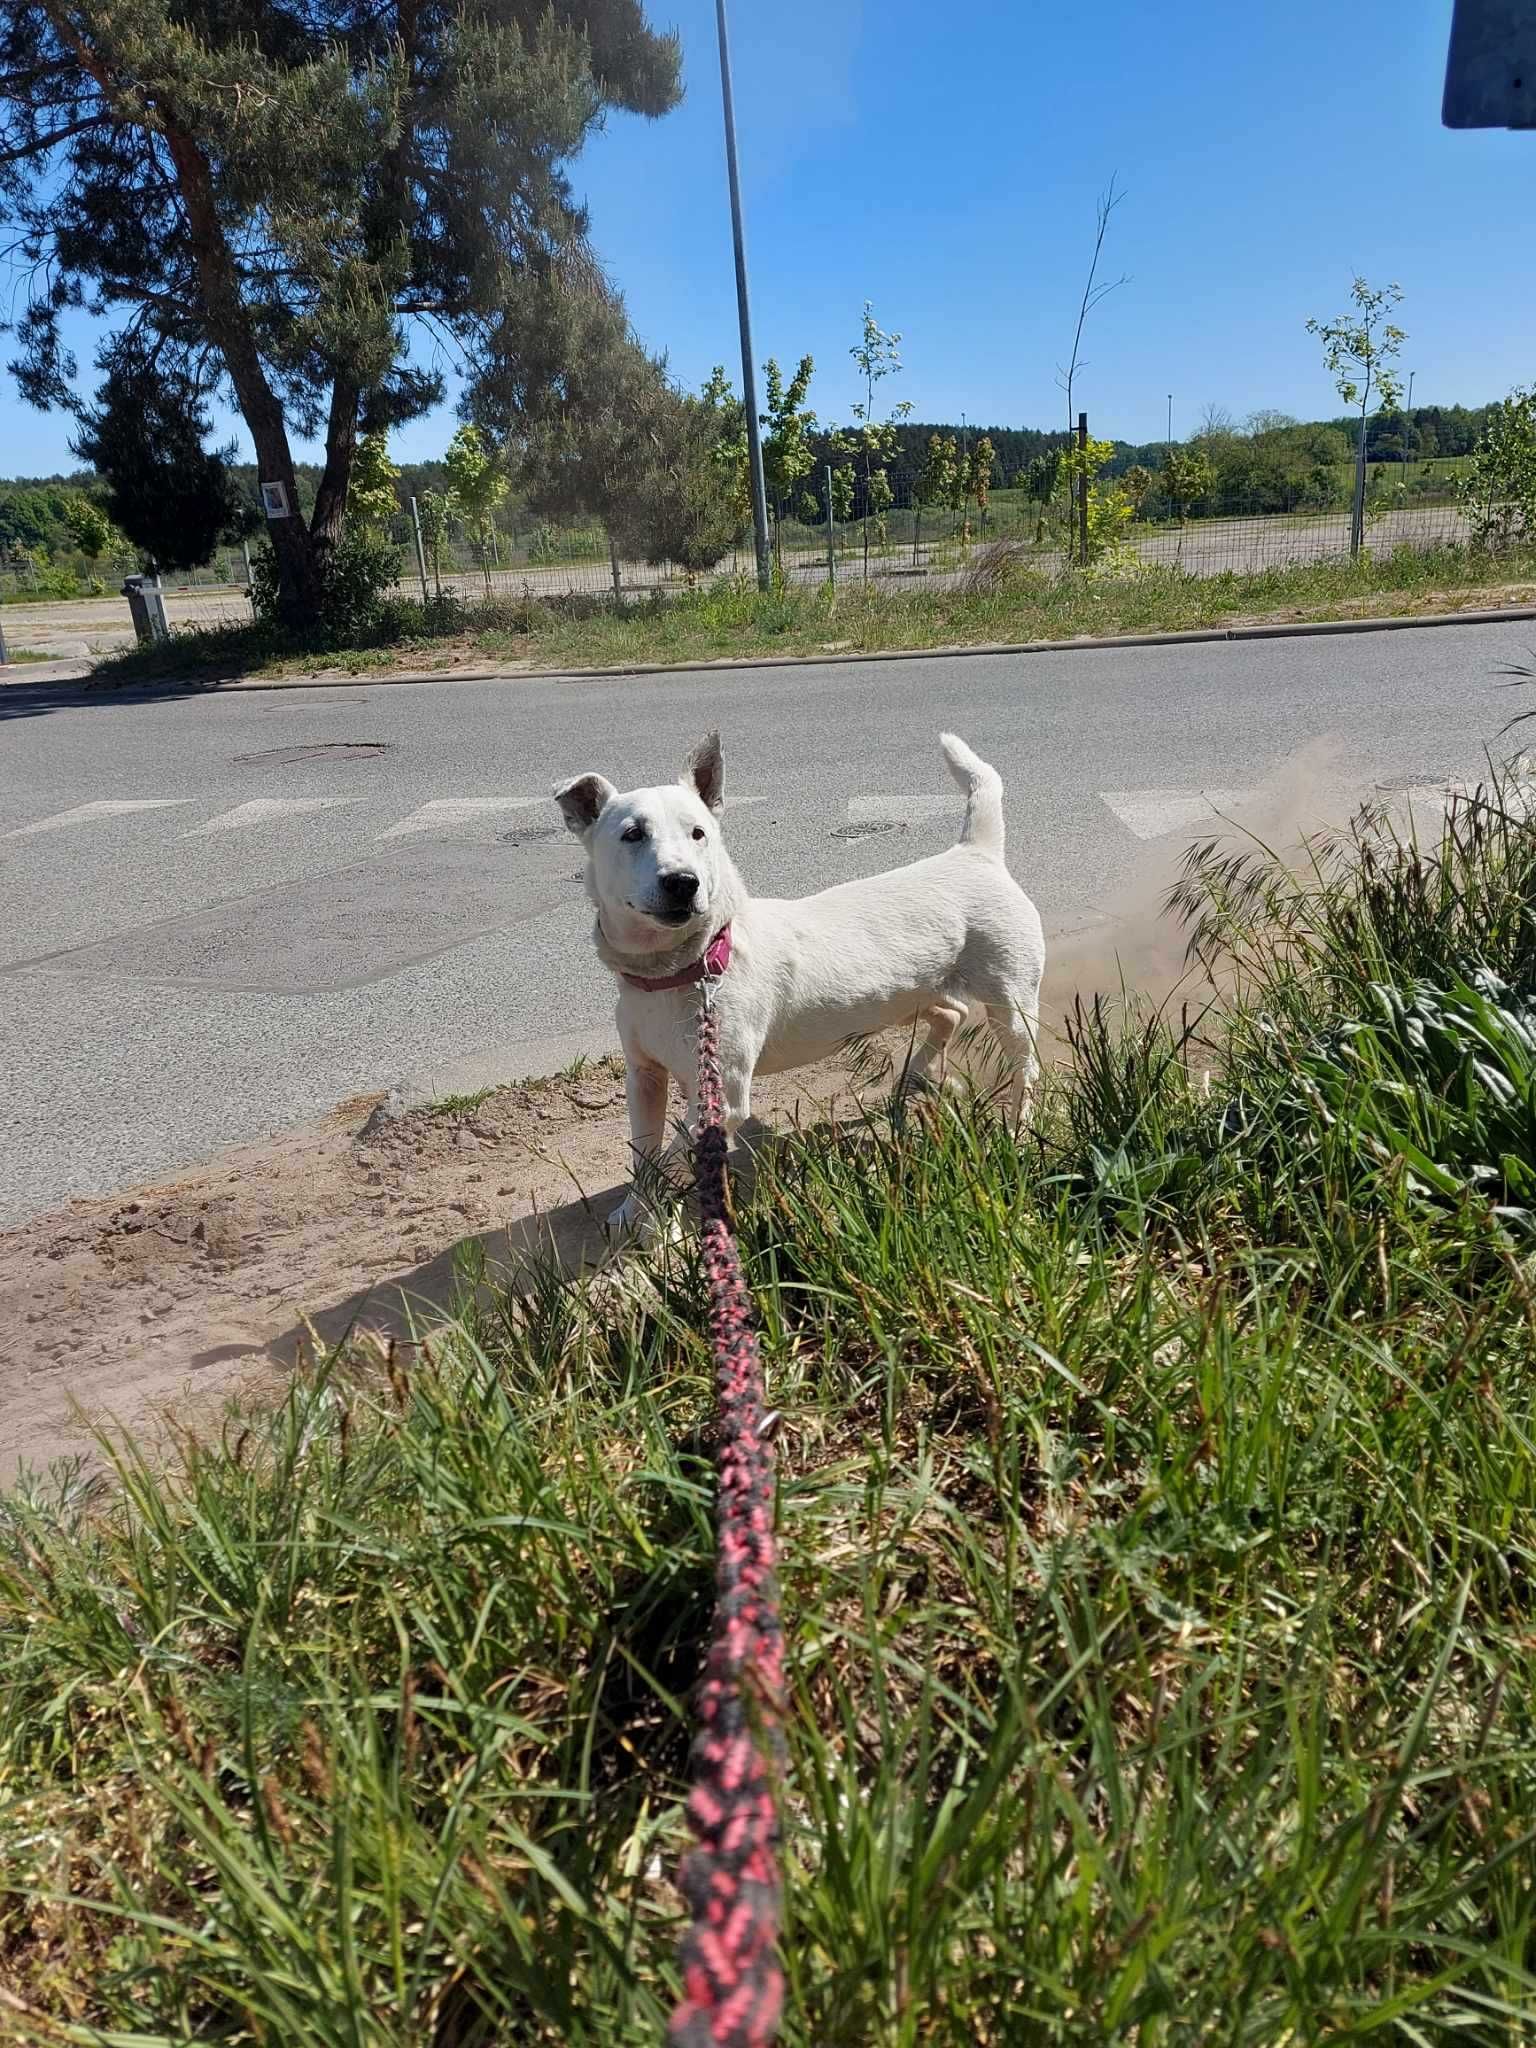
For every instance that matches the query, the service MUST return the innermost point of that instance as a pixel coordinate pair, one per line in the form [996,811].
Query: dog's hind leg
[1016,1027]
[943,1021]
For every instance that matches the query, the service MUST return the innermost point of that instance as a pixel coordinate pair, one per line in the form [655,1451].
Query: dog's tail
[983,786]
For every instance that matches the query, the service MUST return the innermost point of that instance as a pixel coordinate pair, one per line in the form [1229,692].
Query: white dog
[795,980]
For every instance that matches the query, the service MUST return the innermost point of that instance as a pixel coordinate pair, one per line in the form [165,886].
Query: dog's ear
[581,801]
[704,772]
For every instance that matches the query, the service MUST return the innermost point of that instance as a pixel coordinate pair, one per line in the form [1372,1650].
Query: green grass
[1157,1508]
[459,1105]
[733,619]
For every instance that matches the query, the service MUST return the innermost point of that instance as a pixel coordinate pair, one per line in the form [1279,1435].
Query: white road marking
[899,810]
[1150,813]
[446,812]
[262,809]
[106,807]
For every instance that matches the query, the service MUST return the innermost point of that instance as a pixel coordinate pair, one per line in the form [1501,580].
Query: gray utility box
[146,601]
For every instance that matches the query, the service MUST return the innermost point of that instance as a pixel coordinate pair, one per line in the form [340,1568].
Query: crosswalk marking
[446,812]
[262,809]
[1150,813]
[105,807]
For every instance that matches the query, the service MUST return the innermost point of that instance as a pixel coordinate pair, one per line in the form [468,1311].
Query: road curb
[1277,629]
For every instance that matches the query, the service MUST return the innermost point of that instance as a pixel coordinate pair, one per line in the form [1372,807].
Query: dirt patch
[164,1300]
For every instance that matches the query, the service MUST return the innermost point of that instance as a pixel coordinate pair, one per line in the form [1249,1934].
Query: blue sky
[943,162]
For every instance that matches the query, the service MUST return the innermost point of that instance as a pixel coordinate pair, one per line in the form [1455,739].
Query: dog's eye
[698,831]
[631,833]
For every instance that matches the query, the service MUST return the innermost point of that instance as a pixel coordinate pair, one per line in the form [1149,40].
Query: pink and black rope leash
[733,1981]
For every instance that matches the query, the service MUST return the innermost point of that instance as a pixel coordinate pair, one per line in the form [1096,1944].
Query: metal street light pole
[744,315]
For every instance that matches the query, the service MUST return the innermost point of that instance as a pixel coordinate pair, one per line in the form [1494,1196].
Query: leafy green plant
[91,530]
[1109,510]
[477,483]
[788,424]
[1497,489]
[432,510]
[1188,476]
[1360,349]
[373,504]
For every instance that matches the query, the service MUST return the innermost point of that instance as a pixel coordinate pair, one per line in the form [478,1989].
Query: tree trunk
[340,448]
[298,569]
[1357,509]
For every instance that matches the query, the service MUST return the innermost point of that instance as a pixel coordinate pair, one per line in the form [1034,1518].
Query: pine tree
[172,499]
[276,192]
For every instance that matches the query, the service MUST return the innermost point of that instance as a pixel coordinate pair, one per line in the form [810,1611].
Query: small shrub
[353,610]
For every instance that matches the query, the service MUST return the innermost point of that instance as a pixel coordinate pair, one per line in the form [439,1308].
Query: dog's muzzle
[678,892]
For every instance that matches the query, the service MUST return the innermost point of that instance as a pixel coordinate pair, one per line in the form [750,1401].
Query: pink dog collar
[710,967]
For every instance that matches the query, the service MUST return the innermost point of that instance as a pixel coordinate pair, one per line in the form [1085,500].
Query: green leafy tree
[1040,480]
[638,455]
[282,193]
[477,483]
[788,426]
[373,503]
[844,485]
[432,510]
[1188,476]
[978,477]
[1360,348]
[729,445]
[1136,482]
[165,491]
[90,529]
[1109,510]
[874,444]
[935,483]
[880,497]
[1498,487]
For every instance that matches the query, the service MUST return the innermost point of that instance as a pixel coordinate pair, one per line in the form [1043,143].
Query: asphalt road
[221,914]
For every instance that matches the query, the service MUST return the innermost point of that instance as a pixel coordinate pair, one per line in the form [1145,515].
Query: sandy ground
[169,1298]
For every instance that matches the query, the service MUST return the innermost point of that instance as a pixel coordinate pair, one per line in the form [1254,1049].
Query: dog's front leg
[645,1090]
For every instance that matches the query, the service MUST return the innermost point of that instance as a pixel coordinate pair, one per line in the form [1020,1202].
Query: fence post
[250,580]
[1357,510]
[421,553]
[831,535]
[4,657]
[917,527]
[613,563]
[1082,489]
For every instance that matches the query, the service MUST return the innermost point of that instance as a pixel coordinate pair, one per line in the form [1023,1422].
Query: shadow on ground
[83,693]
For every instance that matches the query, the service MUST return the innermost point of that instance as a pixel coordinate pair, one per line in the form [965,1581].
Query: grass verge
[1157,1515]
[733,619]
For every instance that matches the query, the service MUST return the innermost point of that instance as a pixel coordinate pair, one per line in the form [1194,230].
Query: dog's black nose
[680,887]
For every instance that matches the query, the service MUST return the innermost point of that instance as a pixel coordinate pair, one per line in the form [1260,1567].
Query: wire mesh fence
[896,538]
[936,543]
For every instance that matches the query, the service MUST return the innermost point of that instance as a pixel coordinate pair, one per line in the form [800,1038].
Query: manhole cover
[528,835]
[866,830]
[322,750]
